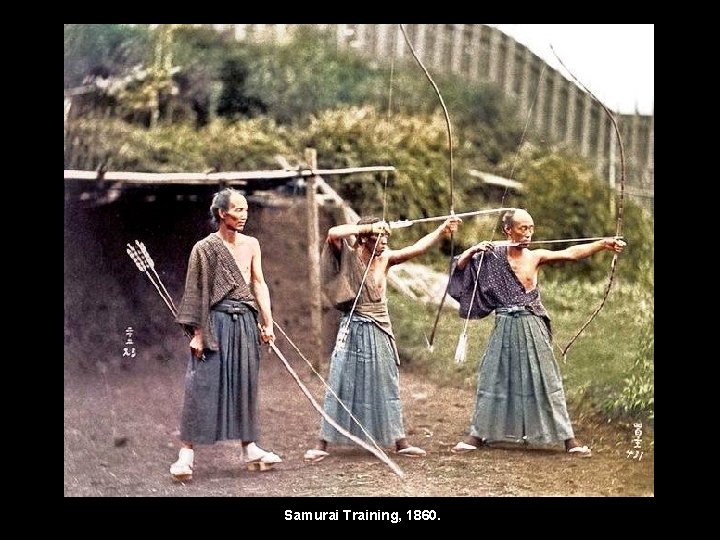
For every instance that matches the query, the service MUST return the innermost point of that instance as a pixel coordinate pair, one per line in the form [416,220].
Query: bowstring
[342,333]
[325,383]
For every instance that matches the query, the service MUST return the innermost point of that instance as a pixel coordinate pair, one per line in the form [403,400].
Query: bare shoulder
[251,242]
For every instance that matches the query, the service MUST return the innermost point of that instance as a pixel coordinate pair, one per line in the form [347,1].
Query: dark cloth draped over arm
[498,286]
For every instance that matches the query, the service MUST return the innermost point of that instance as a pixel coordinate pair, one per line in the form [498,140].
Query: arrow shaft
[561,241]
[408,222]
[375,451]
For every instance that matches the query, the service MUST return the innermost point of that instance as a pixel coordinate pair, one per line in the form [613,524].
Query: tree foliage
[199,53]
[102,49]
[568,200]
[306,76]
[279,99]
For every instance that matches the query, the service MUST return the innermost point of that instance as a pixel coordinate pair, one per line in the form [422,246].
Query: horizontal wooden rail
[213,178]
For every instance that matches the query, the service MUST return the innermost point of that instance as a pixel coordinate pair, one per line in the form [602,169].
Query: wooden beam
[237,177]
[313,247]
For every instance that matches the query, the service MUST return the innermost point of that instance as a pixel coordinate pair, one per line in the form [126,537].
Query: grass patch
[599,365]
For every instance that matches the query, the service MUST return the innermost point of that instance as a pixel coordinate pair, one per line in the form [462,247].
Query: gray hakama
[221,391]
[364,375]
[519,387]
[364,367]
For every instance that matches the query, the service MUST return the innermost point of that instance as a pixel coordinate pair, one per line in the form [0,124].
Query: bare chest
[525,270]
[375,282]
[378,280]
[242,255]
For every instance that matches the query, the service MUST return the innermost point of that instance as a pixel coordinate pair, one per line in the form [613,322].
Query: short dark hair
[221,200]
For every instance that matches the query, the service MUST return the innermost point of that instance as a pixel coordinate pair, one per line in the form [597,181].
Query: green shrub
[637,397]
[568,200]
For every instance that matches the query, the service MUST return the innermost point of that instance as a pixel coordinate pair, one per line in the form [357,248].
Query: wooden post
[570,107]
[509,82]
[555,105]
[541,100]
[456,50]
[600,158]
[313,244]
[650,156]
[475,47]
[585,125]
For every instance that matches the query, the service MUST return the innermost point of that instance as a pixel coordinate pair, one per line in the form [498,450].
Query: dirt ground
[121,415]
[120,438]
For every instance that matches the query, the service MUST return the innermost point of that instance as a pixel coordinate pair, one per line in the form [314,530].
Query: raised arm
[582,251]
[338,232]
[421,246]
[262,294]
[466,255]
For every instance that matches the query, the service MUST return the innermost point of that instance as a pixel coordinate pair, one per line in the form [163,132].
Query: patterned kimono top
[212,276]
[497,287]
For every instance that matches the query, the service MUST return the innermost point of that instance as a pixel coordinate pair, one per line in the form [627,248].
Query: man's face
[377,243]
[522,228]
[236,215]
